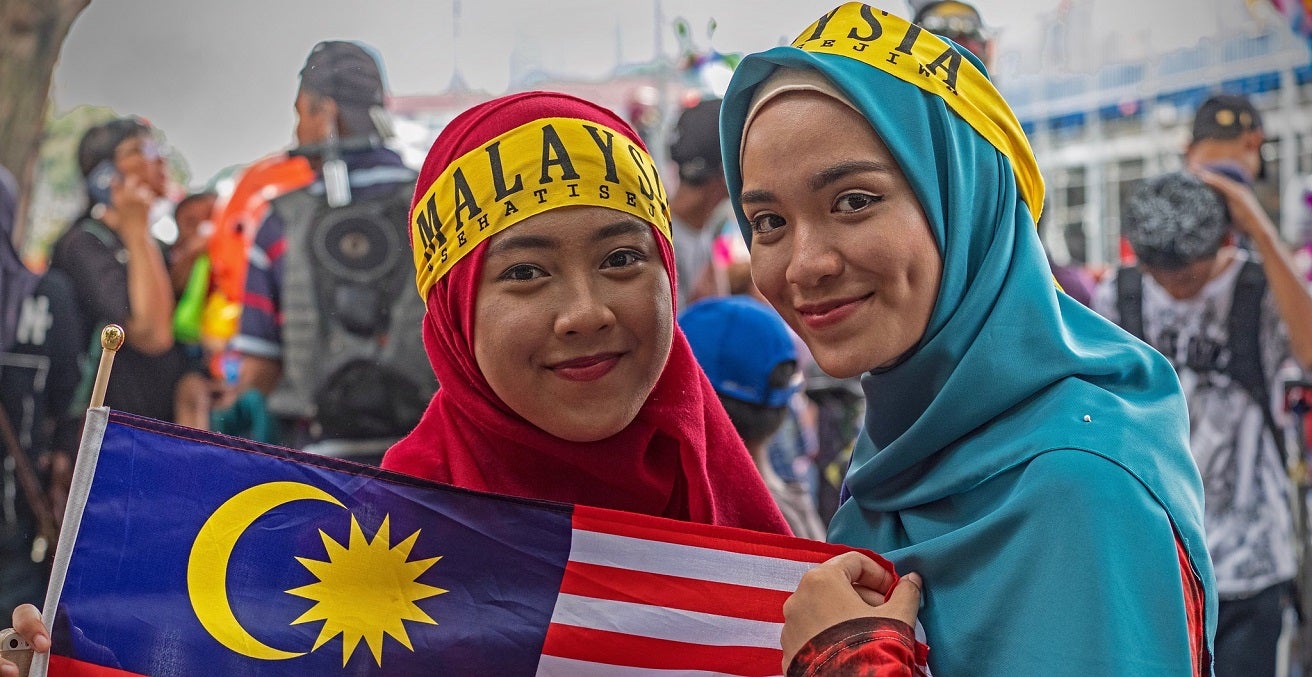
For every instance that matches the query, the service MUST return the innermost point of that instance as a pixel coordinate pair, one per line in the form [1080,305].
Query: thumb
[904,603]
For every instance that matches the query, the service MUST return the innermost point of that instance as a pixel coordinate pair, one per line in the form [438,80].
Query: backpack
[1243,333]
[353,356]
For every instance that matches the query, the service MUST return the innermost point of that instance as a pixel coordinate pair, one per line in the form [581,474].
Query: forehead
[558,227]
[808,128]
[134,141]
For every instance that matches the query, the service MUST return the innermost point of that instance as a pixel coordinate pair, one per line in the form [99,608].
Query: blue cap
[739,341]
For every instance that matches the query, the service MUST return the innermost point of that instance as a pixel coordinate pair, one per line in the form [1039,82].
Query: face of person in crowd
[193,219]
[840,245]
[574,320]
[315,117]
[1187,281]
[139,156]
[1245,152]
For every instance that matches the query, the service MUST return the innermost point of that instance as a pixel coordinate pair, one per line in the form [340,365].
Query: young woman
[1025,456]
[541,241]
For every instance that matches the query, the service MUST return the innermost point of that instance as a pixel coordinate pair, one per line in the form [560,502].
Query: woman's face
[840,245]
[574,319]
[139,156]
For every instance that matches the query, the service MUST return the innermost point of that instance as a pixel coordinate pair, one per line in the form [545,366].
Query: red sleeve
[1193,607]
[862,647]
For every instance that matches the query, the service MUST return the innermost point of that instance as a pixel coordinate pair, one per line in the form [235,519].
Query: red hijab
[680,457]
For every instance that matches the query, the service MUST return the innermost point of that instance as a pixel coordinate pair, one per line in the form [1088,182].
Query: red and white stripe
[642,598]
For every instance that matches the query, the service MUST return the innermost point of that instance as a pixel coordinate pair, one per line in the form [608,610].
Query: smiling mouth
[588,368]
[829,313]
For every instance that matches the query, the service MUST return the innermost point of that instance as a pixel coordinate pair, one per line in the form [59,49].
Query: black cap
[1173,220]
[951,19]
[1225,116]
[344,72]
[99,142]
[695,144]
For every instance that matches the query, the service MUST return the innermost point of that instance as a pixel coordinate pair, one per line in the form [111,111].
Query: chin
[840,368]
[840,363]
[591,431]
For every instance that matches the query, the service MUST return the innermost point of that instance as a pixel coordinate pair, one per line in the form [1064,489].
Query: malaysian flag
[188,553]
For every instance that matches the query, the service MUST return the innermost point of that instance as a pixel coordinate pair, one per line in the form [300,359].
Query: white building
[1096,131]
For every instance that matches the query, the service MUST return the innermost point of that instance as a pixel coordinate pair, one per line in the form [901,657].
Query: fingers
[1220,182]
[904,603]
[27,621]
[862,571]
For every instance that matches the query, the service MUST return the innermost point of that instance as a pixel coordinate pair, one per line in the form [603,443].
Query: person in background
[1227,136]
[1022,453]
[1229,321]
[193,214]
[189,271]
[118,270]
[958,21]
[699,203]
[41,336]
[328,337]
[748,355]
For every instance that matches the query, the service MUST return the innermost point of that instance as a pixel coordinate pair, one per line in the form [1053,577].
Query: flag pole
[111,339]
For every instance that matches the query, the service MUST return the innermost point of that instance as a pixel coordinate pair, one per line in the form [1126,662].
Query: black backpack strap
[1244,328]
[1129,299]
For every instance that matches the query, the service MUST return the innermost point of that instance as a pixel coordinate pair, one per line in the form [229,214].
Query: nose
[584,309]
[814,258]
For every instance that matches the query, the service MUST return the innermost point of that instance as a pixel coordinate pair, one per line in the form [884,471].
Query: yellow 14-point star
[366,589]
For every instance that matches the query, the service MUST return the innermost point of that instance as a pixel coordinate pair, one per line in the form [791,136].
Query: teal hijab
[1028,458]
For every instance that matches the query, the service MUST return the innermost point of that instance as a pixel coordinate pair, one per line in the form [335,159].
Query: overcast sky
[218,76]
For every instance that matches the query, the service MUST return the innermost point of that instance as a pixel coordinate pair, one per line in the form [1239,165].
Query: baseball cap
[344,72]
[1175,219]
[951,19]
[1225,116]
[740,343]
[695,142]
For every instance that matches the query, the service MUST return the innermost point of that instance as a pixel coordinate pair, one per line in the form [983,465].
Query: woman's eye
[522,272]
[855,202]
[764,223]
[622,257]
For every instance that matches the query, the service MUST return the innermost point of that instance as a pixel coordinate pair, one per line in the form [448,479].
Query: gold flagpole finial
[111,339]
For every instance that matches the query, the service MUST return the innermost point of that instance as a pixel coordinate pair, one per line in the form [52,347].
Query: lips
[587,368]
[828,313]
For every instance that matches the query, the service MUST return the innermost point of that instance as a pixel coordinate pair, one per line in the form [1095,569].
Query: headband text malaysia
[542,165]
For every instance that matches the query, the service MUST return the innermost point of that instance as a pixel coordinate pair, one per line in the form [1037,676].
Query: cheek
[657,314]
[501,335]
[769,270]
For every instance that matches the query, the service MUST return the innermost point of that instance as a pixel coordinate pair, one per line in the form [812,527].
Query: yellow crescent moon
[207,567]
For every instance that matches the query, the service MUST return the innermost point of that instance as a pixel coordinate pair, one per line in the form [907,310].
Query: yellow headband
[908,52]
[536,167]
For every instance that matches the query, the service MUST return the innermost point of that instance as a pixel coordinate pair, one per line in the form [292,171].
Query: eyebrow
[624,227]
[822,178]
[513,242]
[829,175]
[756,197]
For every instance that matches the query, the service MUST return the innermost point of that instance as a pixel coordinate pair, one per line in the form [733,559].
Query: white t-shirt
[1246,484]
